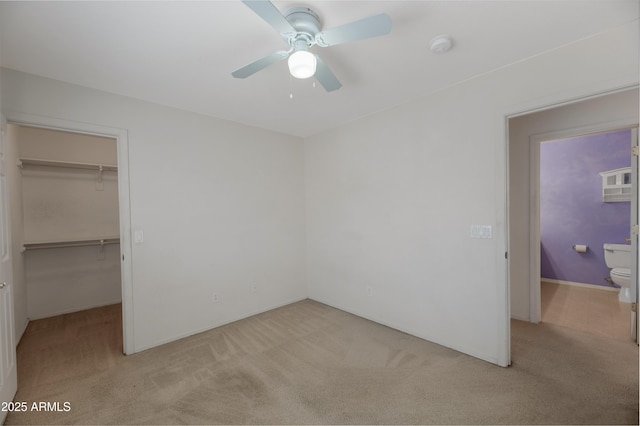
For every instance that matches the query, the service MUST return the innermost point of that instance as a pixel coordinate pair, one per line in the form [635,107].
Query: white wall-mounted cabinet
[616,185]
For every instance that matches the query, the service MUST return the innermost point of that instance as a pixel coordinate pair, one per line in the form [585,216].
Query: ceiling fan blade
[325,76]
[260,64]
[267,11]
[358,30]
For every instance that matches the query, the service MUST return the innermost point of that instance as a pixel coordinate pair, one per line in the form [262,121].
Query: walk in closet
[65,220]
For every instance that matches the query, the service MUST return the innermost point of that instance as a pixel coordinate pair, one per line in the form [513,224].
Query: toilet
[618,259]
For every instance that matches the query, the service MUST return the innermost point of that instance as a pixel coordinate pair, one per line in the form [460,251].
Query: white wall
[63,204]
[391,197]
[64,280]
[221,206]
[613,108]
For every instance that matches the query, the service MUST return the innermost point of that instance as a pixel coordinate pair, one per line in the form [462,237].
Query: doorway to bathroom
[585,197]
[613,112]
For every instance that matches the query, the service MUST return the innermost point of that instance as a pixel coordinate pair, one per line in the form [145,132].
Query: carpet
[308,363]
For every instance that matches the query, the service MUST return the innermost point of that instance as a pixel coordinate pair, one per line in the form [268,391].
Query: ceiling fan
[300,28]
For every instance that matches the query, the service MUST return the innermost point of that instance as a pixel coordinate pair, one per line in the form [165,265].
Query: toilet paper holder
[580,248]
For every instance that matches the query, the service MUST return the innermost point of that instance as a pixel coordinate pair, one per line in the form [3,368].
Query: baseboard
[216,325]
[584,285]
[520,317]
[21,332]
[459,348]
[72,310]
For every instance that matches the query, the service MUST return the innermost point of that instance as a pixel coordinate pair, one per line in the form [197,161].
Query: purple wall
[571,207]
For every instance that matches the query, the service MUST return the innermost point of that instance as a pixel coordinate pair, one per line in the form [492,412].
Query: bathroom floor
[591,310]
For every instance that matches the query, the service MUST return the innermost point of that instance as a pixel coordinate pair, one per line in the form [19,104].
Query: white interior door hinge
[635,230]
[634,307]
[635,150]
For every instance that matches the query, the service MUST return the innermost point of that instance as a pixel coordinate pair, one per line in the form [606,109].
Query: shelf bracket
[99,181]
[101,253]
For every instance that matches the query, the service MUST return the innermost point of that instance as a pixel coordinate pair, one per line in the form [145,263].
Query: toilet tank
[617,255]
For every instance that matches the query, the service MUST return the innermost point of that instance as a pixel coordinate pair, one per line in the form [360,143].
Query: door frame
[504,115]
[122,139]
[535,141]
[8,358]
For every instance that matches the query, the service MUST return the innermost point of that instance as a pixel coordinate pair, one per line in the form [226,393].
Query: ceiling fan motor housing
[306,23]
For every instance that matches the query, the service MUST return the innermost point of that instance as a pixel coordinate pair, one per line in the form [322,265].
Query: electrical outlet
[369,291]
[254,289]
[215,298]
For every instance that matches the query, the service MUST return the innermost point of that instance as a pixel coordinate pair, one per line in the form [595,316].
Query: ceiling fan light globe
[302,64]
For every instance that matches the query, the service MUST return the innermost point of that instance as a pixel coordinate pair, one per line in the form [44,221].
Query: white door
[8,371]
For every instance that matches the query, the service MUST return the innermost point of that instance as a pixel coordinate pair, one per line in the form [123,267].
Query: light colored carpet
[308,363]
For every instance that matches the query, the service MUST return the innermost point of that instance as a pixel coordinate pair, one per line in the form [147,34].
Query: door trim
[121,136]
[8,357]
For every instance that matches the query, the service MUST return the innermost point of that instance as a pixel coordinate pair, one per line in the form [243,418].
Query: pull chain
[290,87]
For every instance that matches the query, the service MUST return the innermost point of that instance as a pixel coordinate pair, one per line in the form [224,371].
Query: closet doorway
[64,198]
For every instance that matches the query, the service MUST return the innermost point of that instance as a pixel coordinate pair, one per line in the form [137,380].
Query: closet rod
[78,243]
[66,164]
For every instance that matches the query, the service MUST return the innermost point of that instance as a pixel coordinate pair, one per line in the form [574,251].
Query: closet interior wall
[67,232]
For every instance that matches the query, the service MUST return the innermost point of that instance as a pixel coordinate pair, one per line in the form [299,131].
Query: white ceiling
[181,54]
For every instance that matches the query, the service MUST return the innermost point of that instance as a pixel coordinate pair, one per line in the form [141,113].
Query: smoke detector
[441,43]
